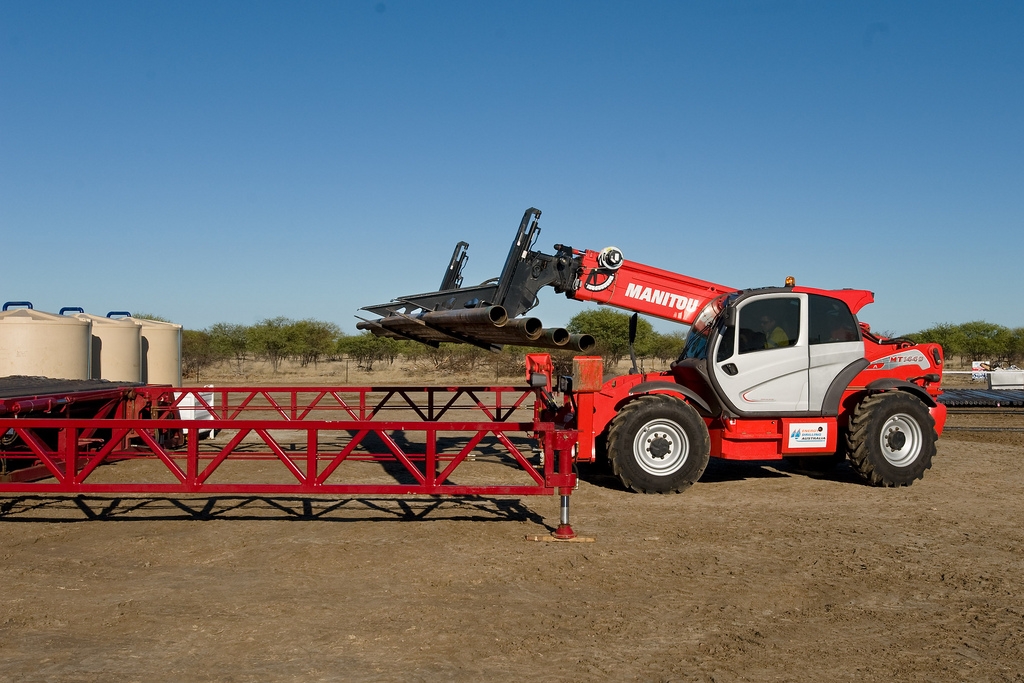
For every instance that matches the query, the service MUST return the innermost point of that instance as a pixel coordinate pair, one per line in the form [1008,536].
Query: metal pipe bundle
[494,316]
[487,325]
[521,332]
[401,327]
[559,338]
[434,326]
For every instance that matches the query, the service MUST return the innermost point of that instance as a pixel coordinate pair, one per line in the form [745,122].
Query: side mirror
[729,316]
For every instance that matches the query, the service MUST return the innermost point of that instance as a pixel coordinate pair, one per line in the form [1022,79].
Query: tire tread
[859,440]
[617,448]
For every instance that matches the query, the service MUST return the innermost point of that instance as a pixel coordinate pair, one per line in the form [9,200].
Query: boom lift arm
[602,276]
[606,278]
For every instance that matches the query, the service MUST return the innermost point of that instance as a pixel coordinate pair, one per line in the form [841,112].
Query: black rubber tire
[658,444]
[891,439]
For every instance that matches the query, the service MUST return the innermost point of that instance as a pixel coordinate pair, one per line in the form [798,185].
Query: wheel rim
[901,440]
[661,447]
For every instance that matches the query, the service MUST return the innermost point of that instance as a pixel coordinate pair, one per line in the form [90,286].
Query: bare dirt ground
[756,573]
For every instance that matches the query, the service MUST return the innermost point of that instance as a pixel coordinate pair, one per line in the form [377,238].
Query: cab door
[761,365]
[834,343]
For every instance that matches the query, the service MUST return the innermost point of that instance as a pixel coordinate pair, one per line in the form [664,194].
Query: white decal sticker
[895,360]
[598,280]
[668,299]
[808,435]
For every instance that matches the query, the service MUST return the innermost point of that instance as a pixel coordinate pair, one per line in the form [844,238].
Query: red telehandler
[765,374]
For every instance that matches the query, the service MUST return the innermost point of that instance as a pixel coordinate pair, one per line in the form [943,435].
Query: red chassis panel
[770,439]
[301,437]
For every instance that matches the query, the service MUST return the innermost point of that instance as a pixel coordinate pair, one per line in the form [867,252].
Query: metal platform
[982,398]
[437,441]
[21,394]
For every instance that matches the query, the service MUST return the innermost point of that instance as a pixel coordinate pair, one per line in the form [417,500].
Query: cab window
[830,321]
[769,323]
[725,346]
[696,346]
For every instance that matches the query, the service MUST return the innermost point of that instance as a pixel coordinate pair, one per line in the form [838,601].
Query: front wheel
[658,444]
[891,439]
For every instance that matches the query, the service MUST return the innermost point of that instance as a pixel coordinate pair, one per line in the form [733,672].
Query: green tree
[366,349]
[975,340]
[197,352]
[271,339]
[947,335]
[230,341]
[1002,343]
[665,347]
[450,358]
[311,340]
[611,330]
[980,339]
[412,351]
[1015,345]
[150,316]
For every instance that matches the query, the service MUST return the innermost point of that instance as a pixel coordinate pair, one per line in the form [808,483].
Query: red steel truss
[296,440]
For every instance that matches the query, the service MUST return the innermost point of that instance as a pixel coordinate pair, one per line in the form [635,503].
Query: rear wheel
[891,439]
[658,444]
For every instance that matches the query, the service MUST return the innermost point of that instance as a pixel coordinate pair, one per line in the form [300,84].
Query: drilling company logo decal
[899,359]
[808,435]
[599,280]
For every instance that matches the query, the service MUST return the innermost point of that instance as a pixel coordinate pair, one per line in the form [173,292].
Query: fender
[649,387]
[834,395]
[890,383]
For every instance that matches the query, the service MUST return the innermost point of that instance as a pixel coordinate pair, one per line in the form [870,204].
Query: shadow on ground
[67,509]
[721,471]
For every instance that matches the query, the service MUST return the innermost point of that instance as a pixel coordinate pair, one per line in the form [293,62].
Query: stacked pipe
[489,325]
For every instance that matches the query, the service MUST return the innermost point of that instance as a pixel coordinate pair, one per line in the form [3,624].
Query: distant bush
[366,349]
[976,340]
[197,352]
[312,341]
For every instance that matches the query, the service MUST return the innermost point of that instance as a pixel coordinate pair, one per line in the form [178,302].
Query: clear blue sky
[221,161]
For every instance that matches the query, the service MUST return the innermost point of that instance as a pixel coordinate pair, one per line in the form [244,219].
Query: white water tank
[116,348]
[43,344]
[161,352]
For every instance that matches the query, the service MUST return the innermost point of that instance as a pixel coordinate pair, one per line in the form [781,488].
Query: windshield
[700,332]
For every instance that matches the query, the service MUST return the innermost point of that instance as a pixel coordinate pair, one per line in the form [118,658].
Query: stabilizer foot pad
[550,538]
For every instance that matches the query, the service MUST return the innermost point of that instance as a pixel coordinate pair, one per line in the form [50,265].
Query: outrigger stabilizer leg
[564,532]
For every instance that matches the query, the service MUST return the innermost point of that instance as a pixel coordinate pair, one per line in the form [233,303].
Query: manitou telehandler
[765,374]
